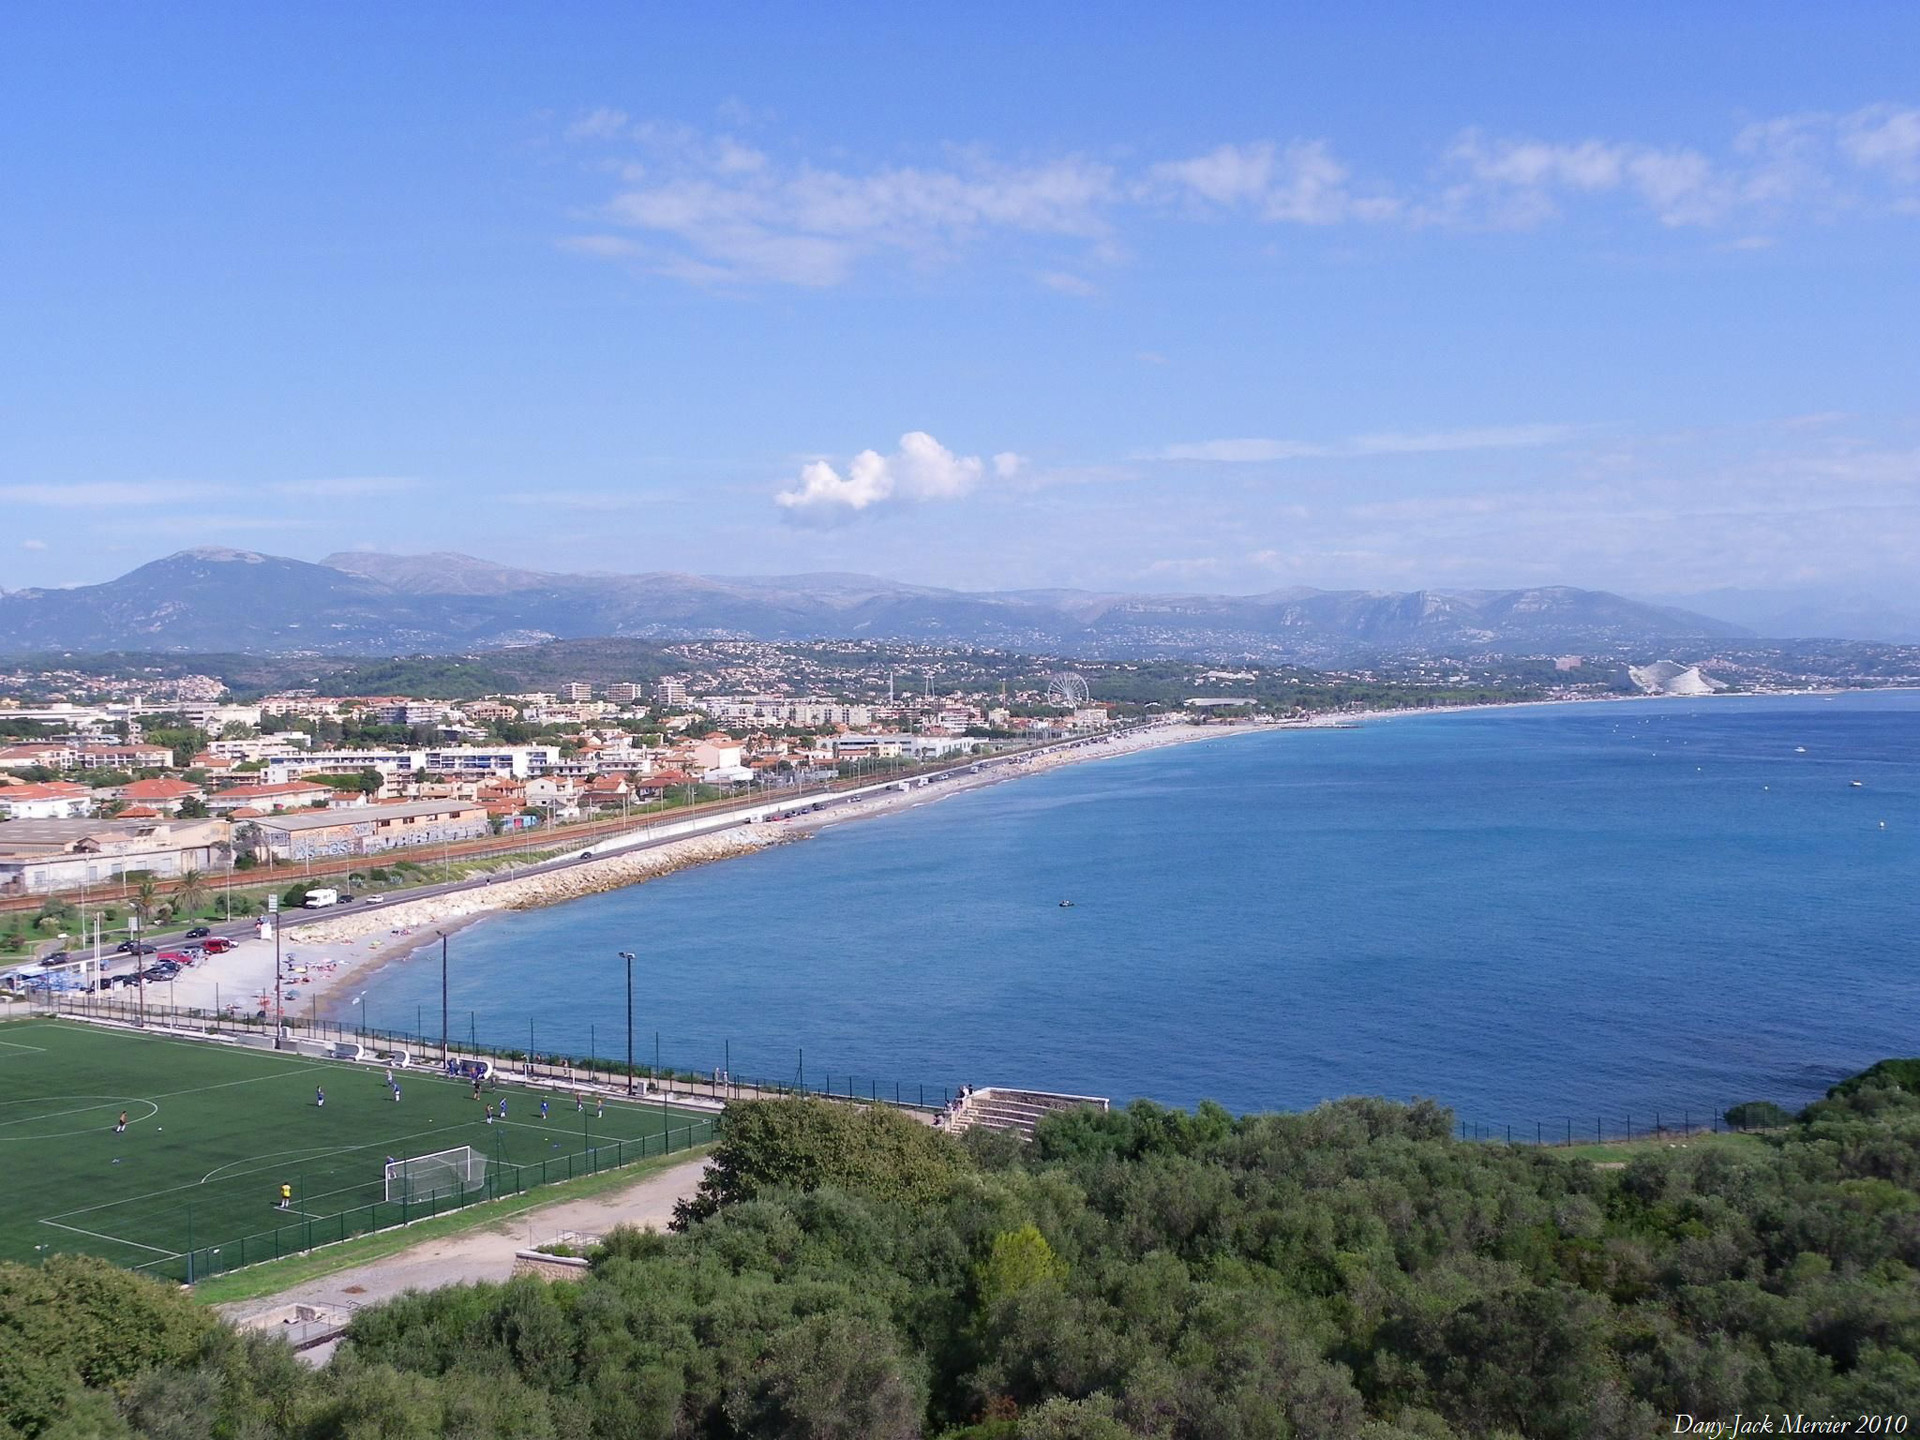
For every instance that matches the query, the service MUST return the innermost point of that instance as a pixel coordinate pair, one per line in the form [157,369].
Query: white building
[54,801]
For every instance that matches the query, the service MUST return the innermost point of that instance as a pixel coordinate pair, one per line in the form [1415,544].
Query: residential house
[55,800]
[123,757]
[270,799]
[33,757]
[164,797]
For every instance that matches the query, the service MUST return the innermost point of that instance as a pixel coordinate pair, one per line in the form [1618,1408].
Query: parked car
[216,945]
[175,957]
[198,932]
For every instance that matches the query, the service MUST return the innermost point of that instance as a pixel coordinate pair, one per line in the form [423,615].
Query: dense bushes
[1352,1271]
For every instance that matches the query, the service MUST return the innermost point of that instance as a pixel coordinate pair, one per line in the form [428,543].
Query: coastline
[329,957]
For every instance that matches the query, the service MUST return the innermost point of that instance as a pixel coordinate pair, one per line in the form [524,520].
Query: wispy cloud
[1496,437]
[345,486]
[714,209]
[729,212]
[33,544]
[105,494]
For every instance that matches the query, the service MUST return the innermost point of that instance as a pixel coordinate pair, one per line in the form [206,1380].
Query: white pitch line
[113,1239]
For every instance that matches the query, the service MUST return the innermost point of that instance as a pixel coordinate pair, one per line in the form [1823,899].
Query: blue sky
[1117,296]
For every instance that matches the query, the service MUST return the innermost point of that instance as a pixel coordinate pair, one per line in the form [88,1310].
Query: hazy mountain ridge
[215,599]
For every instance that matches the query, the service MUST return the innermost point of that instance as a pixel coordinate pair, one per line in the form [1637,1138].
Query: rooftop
[362,814]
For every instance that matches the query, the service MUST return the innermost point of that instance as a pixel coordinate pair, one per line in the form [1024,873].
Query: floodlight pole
[627,955]
[445,1053]
[279,1007]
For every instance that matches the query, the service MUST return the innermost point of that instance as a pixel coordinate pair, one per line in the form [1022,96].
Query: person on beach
[121,1127]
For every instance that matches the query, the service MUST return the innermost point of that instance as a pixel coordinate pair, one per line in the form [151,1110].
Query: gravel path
[485,1253]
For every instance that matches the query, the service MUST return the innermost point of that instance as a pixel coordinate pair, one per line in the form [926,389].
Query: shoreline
[329,957]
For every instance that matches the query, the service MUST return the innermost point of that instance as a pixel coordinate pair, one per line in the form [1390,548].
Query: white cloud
[726,212]
[712,209]
[33,544]
[602,124]
[1300,183]
[1068,284]
[343,487]
[1248,451]
[922,469]
[90,494]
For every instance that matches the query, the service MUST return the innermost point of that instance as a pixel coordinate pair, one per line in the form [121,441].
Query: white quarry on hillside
[1667,677]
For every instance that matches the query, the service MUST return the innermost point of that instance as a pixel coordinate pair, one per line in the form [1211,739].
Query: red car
[216,945]
[176,957]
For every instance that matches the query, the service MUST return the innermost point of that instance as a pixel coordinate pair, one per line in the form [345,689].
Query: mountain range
[357,603]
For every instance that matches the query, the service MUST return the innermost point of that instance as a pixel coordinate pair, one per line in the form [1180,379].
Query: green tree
[190,894]
[1017,1259]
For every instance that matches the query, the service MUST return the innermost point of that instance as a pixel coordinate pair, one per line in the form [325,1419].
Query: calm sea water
[1544,915]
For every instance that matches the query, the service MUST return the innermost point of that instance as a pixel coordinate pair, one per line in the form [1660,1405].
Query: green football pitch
[213,1132]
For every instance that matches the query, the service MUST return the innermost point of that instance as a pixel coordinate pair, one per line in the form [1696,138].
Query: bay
[1551,916]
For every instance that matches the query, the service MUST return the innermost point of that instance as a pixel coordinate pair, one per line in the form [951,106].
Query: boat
[1799,749]
[1066,904]
[1854,783]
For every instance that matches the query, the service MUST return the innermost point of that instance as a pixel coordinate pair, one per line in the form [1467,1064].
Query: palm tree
[190,894]
[146,899]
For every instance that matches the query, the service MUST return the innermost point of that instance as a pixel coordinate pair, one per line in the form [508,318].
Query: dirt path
[485,1253]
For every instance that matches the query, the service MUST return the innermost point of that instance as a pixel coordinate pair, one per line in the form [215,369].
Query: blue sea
[1550,916]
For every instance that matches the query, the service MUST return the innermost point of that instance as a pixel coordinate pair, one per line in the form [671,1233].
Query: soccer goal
[443,1173]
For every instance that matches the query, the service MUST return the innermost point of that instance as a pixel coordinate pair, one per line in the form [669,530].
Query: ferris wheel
[1068,690]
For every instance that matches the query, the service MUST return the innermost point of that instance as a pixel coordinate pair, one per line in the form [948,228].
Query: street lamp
[627,955]
[279,1009]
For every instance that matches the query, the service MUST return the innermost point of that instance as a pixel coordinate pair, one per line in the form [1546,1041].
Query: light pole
[445,1053]
[279,1008]
[627,955]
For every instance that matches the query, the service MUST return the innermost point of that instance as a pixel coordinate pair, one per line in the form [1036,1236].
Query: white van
[320,899]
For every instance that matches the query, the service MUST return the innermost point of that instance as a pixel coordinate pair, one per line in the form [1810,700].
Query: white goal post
[443,1173]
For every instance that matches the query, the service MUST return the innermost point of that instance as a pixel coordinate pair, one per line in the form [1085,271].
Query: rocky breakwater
[530,891]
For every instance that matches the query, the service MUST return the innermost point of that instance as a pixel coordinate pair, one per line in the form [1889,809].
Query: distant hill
[236,600]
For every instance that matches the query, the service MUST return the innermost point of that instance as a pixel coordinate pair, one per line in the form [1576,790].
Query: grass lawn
[214,1131]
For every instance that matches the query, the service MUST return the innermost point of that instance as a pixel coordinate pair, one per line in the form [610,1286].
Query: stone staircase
[999,1108]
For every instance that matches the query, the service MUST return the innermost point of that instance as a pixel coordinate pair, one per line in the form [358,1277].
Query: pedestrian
[600,1110]
[286,1197]
[121,1127]
[543,1109]
[389,1076]
[319,1098]
[579,1103]
[396,1092]
[503,1107]
[489,1112]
